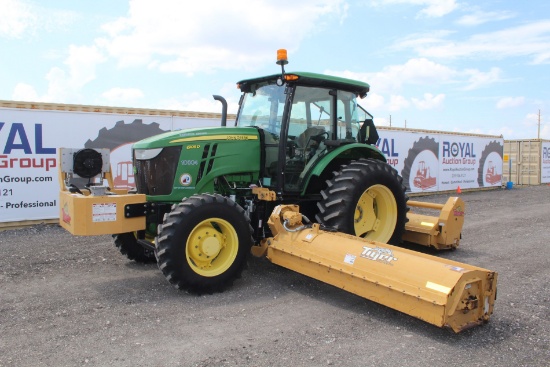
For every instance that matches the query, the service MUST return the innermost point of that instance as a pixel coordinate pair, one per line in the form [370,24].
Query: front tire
[367,199]
[128,246]
[203,243]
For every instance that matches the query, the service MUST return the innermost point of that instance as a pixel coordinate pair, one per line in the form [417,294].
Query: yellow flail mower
[441,292]
[201,243]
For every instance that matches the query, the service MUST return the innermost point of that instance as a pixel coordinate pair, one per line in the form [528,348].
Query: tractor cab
[301,118]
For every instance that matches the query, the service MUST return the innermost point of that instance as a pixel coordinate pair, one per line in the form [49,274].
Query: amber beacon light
[282,58]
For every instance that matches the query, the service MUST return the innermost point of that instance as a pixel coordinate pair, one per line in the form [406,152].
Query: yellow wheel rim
[212,247]
[376,214]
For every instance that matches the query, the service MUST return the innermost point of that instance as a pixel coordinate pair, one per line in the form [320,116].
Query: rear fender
[348,152]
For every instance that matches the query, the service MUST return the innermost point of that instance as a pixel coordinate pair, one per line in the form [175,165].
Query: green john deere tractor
[301,136]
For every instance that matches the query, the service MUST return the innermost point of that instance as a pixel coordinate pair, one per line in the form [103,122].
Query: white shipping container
[528,161]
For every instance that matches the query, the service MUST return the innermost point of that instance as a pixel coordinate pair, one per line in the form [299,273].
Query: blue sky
[477,67]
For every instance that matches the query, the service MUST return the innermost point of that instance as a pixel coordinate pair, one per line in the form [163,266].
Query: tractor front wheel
[367,199]
[203,243]
[128,246]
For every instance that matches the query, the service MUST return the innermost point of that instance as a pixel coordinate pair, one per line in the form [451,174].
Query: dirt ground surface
[72,301]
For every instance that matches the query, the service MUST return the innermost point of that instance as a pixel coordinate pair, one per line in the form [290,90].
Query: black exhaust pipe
[224,108]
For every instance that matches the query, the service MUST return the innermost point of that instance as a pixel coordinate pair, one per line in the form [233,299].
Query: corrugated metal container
[524,166]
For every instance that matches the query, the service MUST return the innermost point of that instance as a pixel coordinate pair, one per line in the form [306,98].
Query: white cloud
[431,8]
[528,40]
[381,121]
[504,131]
[393,77]
[531,119]
[416,71]
[478,79]
[20,18]
[436,8]
[169,36]
[530,127]
[478,17]
[423,72]
[24,92]
[510,102]
[126,95]
[420,41]
[203,104]
[429,101]
[542,58]
[82,62]
[376,102]
[398,103]
[16,18]
[372,102]
[198,103]
[65,85]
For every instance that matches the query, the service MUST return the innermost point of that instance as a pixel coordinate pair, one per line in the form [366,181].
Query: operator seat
[305,136]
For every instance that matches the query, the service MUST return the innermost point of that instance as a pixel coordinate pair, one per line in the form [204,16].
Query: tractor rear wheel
[367,199]
[129,247]
[203,243]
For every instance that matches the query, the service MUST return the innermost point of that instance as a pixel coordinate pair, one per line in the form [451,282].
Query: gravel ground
[71,301]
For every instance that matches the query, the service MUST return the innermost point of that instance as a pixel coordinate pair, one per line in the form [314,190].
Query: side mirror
[368,133]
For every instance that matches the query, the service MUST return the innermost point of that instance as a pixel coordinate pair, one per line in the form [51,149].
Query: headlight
[146,154]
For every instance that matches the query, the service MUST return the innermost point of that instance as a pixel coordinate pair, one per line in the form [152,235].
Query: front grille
[156,176]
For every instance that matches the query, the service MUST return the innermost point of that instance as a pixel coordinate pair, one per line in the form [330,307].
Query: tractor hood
[178,164]
[198,135]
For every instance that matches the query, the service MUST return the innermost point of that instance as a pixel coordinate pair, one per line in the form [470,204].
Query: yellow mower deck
[442,292]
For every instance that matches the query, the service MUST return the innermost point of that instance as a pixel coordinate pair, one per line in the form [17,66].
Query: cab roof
[312,80]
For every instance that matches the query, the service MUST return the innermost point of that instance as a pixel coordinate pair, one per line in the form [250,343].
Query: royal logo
[383,255]
[463,150]
[458,212]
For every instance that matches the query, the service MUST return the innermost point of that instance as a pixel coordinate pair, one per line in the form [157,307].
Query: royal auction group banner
[29,187]
[440,162]
[29,140]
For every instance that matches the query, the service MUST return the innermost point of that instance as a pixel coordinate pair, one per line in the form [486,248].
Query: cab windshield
[263,107]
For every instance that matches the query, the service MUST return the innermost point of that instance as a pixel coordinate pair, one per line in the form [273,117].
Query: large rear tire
[203,243]
[367,199]
[129,247]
